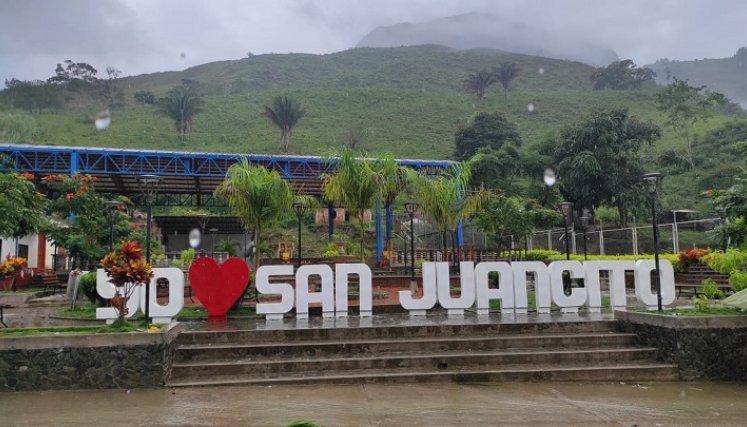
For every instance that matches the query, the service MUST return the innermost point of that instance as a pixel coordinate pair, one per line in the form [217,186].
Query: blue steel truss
[105,161]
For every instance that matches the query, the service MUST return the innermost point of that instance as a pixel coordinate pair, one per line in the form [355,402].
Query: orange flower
[70,196]
[131,249]
[27,175]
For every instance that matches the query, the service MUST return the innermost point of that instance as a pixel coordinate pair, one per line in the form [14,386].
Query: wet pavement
[522,404]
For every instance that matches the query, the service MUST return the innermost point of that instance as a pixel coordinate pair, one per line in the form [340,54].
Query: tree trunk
[360,224]
[256,248]
[284,140]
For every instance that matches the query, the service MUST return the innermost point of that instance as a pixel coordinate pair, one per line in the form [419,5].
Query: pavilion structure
[187,178]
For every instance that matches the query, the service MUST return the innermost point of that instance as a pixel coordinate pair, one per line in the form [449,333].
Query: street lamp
[566,208]
[213,232]
[149,188]
[585,219]
[652,182]
[299,208]
[111,208]
[411,207]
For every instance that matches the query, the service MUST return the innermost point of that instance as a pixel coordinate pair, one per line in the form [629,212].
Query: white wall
[32,240]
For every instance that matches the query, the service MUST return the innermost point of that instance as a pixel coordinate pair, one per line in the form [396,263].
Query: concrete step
[292,334]
[274,367]
[622,372]
[307,349]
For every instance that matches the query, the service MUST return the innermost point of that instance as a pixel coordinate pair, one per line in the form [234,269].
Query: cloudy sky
[142,36]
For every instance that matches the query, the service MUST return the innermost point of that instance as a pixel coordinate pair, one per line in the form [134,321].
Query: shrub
[87,285]
[187,256]
[542,255]
[710,290]
[692,256]
[726,262]
[738,280]
[329,250]
[701,302]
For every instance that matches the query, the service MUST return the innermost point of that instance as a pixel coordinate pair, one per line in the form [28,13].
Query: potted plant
[10,268]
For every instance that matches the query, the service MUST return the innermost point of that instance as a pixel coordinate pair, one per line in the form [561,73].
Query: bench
[49,280]
[693,279]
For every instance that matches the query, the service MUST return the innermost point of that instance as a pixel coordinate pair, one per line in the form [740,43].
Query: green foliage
[32,96]
[181,104]
[227,245]
[502,216]
[486,130]
[600,162]
[20,204]
[622,75]
[542,255]
[479,82]
[87,285]
[17,127]
[257,196]
[330,250]
[303,423]
[145,97]
[506,73]
[284,113]
[186,258]
[727,262]
[738,280]
[710,290]
[701,302]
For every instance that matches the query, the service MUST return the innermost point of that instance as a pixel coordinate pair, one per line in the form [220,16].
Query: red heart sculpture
[218,286]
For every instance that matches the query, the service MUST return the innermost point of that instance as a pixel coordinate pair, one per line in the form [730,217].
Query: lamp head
[566,208]
[549,177]
[652,182]
[411,207]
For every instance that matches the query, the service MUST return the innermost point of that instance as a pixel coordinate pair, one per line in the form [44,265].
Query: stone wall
[704,348]
[66,362]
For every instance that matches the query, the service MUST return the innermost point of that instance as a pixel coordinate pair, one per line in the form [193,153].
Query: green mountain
[407,101]
[725,75]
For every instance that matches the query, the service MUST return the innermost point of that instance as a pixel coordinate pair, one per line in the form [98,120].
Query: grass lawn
[69,330]
[88,311]
[708,311]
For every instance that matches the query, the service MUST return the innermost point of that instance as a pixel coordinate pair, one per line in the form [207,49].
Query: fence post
[601,238]
[573,238]
[635,237]
[674,238]
[549,239]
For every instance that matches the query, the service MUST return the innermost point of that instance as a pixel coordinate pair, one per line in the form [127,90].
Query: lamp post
[213,232]
[585,219]
[411,207]
[111,208]
[566,208]
[149,188]
[652,182]
[721,211]
[299,208]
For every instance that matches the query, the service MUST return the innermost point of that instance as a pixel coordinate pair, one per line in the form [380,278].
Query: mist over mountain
[725,75]
[480,30]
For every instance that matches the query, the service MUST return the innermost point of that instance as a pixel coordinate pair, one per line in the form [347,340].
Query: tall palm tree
[355,185]
[506,72]
[181,104]
[394,182]
[285,114]
[257,196]
[446,200]
[479,82]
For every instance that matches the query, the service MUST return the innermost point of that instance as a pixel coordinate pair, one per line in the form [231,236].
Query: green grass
[88,311]
[68,330]
[709,311]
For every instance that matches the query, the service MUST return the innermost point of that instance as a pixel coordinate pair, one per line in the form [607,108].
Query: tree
[110,91]
[446,200]
[510,215]
[32,95]
[356,184]
[181,104]
[621,75]
[257,196]
[486,130]
[74,75]
[479,82]
[144,97]
[21,205]
[285,114]
[393,183]
[505,73]
[496,169]
[598,159]
[684,105]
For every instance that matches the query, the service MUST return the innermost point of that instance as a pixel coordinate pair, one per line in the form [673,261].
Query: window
[23,251]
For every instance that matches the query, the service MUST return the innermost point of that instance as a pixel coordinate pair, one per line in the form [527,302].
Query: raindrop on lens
[530,107]
[103,120]
[541,71]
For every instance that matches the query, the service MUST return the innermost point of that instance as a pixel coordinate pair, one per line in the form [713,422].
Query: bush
[87,285]
[726,262]
[329,250]
[542,255]
[692,256]
[738,280]
[710,290]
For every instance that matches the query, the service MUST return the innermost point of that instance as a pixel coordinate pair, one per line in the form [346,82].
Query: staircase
[561,351]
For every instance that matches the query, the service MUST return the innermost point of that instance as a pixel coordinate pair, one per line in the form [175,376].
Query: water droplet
[103,120]
[541,71]
[530,107]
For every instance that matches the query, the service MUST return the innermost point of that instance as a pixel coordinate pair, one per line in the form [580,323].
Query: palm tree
[445,200]
[394,182]
[355,185]
[285,114]
[257,196]
[181,104]
[506,72]
[479,82]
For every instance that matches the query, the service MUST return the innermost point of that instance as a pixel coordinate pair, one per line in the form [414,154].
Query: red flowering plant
[690,257]
[12,265]
[126,268]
